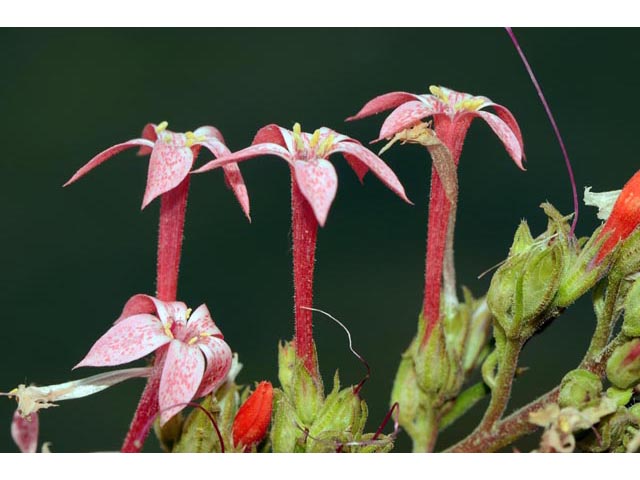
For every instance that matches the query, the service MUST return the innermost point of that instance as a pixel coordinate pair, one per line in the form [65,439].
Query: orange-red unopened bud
[253,417]
[624,217]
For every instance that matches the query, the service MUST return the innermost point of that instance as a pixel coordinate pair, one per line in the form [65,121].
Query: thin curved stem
[553,124]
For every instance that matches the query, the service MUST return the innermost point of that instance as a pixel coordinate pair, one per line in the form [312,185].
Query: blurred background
[71,257]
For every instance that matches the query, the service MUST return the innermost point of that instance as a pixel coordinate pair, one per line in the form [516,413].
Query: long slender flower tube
[452,113]
[172,158]
[197,358]
[314,183]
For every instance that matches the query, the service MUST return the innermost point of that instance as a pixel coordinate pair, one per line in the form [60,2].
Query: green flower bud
[621,397]
[432,362]
[627,258]
[406,391]
[341,415]
[635,411]
[523,288]
[580,273]
[631,324]
[580,389]
[623,370]
[522,240]
[286,433]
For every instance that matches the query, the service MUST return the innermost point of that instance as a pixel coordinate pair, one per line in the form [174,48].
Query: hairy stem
[172,214]
[424,440]
[304,231]
[605,322]
[440,227]
[517,424]
[501,391]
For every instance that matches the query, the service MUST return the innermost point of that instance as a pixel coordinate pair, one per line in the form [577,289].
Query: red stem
[451,133]
[304,231]
[172,214]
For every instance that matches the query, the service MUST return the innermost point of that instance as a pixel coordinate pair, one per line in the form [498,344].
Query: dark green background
[70,258]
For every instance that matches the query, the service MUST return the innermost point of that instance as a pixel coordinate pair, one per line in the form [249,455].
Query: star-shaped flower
[197,360]
[172,157]
[307,156]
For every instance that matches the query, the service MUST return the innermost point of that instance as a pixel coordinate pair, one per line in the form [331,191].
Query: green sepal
[287,434]
[622,373]
[580,389]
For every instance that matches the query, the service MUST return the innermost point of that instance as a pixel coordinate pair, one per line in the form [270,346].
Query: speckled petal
[358,167]
[181,377]
[106,155]
[168,312]
[318,182]
[209,132]
[169,164]
[375,164]
[24,432]
[508,118]
[245,154]
[505,134]
[149,133]
[200,322]
[128,340]
[219,359]
[274,134]
[406,116]
[233,179]
[382,103]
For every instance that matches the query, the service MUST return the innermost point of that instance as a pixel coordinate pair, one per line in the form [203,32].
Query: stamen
[193,340]
[188,313]
[315,138]
[162,127]
[437,92]
[297,136]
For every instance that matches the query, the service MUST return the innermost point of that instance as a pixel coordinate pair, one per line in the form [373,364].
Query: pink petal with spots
[128,340]
[358,167]
[106,155]
[168,166]
[232,176]
[505,134]
[382,103]
[318,182]
[233,179]
[210,132]
[507,117]
[168,312]
[200,322]
[375,164]
[181,377]
[274,134]
[406,116]
[219,357]
[148,133]
[245,154]
[24,432]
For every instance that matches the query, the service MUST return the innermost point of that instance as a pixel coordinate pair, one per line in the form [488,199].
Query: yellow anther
[192,341]
[188,313]
[191,139]
[327,143]
[471,104]
[314,139]
[162,127]
[437,92]
[168,332]
[12,392]
[297,136]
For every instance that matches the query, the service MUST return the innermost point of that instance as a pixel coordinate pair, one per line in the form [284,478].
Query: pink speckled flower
[459,108]
[197,360]
[172,157]
[307,156]
[452,113]
[314,183]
